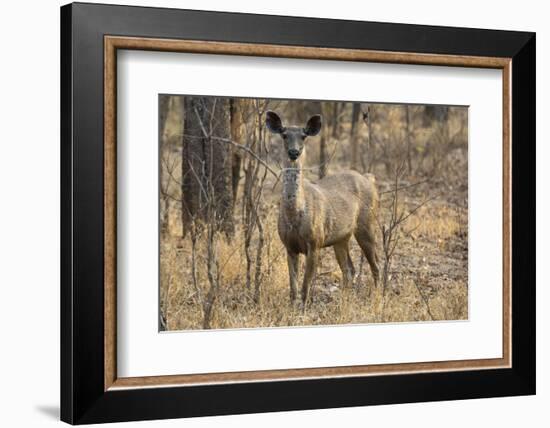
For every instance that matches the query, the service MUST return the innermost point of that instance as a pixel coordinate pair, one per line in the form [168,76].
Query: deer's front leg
[293,260]
[311,269]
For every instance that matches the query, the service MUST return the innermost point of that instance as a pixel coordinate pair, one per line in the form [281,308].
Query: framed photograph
[265,213]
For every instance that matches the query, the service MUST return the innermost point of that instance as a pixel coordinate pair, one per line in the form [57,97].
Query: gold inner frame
[113,43]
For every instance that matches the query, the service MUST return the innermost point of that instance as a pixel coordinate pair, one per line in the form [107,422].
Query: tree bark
[323,155]
[354,141]
[206,163]
[367,158]
[237,111]
[164,103]
[329,110]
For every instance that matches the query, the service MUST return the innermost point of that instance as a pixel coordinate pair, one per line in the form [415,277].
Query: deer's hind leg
[341,250]
[366,239]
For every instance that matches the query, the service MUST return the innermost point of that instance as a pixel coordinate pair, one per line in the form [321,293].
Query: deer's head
[293,136]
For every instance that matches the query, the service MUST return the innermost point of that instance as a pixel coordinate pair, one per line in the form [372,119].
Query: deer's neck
[293,201]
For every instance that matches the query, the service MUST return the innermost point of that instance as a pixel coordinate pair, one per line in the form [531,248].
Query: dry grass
[442,284]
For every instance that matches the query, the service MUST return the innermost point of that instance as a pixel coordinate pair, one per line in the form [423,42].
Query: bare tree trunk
[164,104]
[236,135]
[335,120]
[259,252]
[251,169]
[367,159]
[354,141]
[331,109]
[322,156]
[213,273]
[324,112]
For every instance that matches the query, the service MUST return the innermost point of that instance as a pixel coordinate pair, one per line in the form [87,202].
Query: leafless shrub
[392,229]
[255,177]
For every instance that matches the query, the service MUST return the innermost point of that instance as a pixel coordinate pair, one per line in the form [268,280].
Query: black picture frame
[83,398]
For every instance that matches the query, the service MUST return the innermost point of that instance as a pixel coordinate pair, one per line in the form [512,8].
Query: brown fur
[324,214]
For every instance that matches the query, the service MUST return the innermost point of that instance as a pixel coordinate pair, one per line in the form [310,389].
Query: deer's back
[349,187]
[351,200]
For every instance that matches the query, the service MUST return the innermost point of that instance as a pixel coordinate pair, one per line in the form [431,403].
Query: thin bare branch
[408,186]
[246,149]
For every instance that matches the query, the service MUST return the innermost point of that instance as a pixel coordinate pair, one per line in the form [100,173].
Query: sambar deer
[323,214]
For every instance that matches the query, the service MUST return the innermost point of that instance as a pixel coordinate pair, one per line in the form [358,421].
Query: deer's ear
[313,125]
[273,122]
